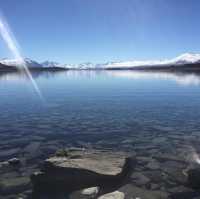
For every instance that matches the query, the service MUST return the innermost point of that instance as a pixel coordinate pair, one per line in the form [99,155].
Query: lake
[89,103]
[145,113]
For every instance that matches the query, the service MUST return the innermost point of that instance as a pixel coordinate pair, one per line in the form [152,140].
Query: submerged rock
[14,185]
[82,169]
[153,165]
[14,161]
[90,191]
[139,179]
[113,195]
[101,162]
[132,191]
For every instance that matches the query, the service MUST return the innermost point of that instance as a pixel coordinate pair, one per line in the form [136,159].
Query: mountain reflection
[22,76]
[182,78]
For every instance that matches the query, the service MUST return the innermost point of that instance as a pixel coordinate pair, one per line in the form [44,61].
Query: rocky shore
[89,173]
[158,169]
[81,169]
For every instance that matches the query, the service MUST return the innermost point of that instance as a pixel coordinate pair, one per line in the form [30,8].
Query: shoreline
[189,68]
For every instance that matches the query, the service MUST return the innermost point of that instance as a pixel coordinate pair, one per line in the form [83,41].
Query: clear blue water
[153,116]
[99,107]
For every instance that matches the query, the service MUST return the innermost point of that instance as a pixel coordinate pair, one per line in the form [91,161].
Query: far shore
[187,68]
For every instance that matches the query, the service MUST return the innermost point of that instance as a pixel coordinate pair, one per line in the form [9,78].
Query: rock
[14,161]
[32,148]
[154,186]
[4,164]
[132,191]
[185,195]
[174,164]
[155,176]
[14,185]
[139,179]
[90,191]
[113,195]
[163,157]
[143,160]
[9,166]
[89,169]
[175,174]
[180,189]
[9,174]
[153,165]
[111,163]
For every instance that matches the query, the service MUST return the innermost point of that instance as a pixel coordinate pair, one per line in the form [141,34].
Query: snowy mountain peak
[50,64]
[19,62]
[188,58]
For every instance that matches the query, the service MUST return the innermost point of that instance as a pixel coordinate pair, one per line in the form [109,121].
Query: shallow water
[99,107]
[142,112]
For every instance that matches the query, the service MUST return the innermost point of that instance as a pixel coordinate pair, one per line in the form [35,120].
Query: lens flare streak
[13,46]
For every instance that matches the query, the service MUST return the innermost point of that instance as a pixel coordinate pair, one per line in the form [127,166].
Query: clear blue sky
[75,31]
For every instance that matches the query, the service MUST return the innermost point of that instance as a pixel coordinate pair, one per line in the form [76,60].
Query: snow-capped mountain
[50,64]
[84,66]
[184,59]
[187,58]
[18,63]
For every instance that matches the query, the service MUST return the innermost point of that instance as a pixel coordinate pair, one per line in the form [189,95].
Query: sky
[98,31]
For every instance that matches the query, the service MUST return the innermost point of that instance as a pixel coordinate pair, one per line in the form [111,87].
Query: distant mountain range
[6,68]
[17,63]
[182,60]
[186,60]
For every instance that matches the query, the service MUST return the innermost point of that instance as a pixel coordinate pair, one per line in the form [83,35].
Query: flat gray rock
[77,169]
[101,162]
[113,195]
